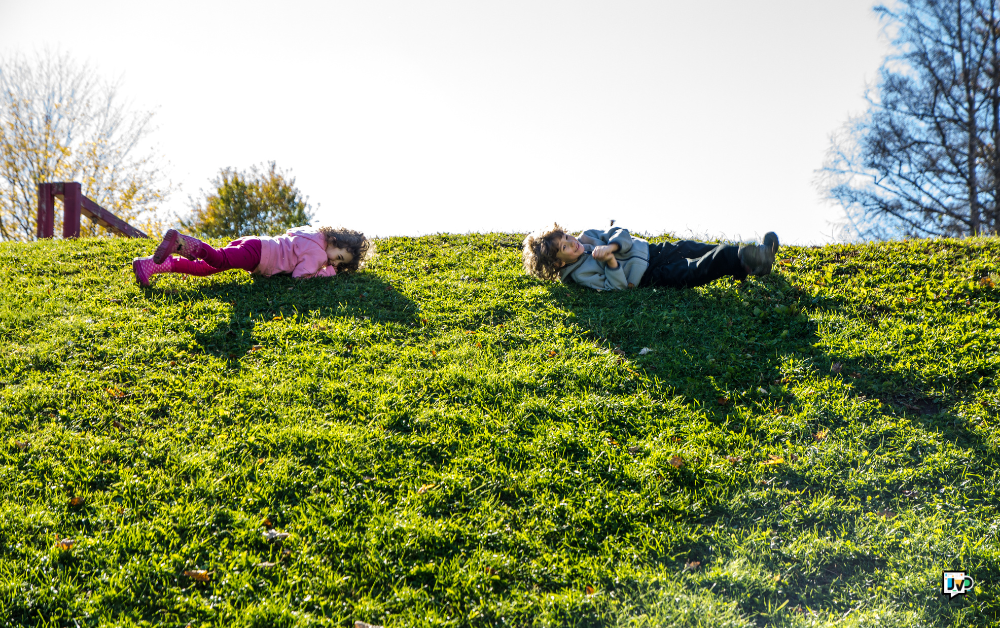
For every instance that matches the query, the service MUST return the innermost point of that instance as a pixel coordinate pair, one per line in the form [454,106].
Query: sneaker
[759,258]
[144,268]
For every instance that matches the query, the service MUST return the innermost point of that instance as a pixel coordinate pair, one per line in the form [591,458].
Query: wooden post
[45,224]
[72,200]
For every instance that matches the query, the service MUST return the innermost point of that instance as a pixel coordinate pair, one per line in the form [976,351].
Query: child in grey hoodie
[614,260]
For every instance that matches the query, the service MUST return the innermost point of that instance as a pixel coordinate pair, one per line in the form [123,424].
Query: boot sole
[167,246]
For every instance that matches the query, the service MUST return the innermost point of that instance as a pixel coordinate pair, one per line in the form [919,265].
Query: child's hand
[606,253]
[602,252]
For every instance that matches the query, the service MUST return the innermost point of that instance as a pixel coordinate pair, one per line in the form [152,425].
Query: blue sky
[413,117]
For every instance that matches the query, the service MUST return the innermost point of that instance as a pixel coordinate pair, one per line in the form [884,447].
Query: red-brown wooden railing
[76,204]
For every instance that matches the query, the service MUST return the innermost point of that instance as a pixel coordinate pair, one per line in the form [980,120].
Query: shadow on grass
[726,339]
[358,296]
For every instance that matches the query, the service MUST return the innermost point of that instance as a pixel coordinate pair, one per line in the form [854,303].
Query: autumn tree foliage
[923,159]
[60,121]
[259,201]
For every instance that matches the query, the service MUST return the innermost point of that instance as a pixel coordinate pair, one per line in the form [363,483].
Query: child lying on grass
[614,260]
[302,251]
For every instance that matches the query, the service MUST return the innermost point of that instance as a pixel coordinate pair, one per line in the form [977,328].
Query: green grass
[448,442]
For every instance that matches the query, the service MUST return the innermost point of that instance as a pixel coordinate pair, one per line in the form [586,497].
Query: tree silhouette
[922,161]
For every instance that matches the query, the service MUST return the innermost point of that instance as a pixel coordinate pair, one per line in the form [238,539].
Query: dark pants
[686,264]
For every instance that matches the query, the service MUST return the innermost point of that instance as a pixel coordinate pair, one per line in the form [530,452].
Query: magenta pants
[243,253]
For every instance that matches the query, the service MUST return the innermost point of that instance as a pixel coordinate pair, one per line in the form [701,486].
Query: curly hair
[538,253]
[361,248]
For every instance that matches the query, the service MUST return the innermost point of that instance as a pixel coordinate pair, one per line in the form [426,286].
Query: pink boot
[145,267]
[174,242]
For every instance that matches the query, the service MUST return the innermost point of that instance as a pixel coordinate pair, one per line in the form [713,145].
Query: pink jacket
[301,251]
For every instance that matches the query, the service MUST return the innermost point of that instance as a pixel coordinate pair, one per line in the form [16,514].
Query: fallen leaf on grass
[21,444]
[772,459]
[362,624]
[910,299]
[987,282]
[64,544]
[553,354]
[589,590]
[274,535]
[118,426]
[821,435]
[634,450]
[266,522]
[886,514]
[734,459]
[266,565]
[618,351]
[76,501]
[691,566]
[115,393]
[613,442]
[644,351]
[677,462]
[723,401]
[426,487]
[198,575]
[836,366]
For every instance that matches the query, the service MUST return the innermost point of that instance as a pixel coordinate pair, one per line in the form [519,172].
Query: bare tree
[922,161]
[60,122]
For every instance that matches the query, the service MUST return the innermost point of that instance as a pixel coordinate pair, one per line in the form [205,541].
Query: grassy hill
[444,441]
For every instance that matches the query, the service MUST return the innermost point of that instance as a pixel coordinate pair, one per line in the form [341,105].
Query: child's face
[337,256]
[569,250]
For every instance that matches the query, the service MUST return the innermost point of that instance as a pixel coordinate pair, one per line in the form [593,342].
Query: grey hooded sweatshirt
[632,256]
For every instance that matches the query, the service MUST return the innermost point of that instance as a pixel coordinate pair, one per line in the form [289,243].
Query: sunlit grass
[446,441]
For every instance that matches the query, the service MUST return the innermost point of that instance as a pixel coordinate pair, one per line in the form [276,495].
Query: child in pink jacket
[302,251]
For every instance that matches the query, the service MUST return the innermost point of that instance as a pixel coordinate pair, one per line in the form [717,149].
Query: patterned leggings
[243,253]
